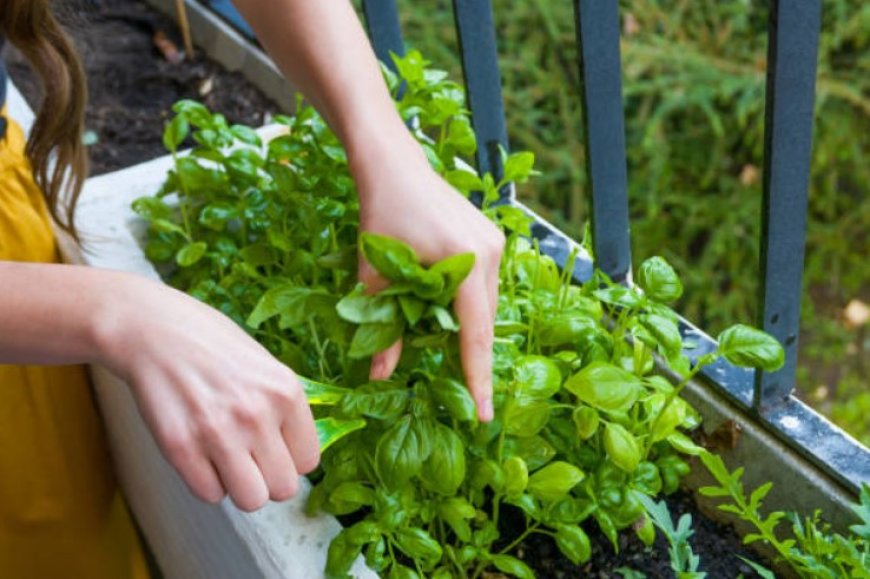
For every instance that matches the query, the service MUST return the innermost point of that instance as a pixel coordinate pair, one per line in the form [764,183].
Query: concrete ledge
[190,539]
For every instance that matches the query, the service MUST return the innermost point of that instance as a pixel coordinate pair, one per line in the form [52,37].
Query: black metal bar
[382,19]
[597,24]
[791,76]
[476,33]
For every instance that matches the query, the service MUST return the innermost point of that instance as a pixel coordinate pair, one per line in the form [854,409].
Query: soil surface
[132,84]
[717,546]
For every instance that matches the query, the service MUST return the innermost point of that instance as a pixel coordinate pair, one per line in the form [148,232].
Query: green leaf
[622,447]
[175,133]
[534,450]
[454,397]
[605,387]
[667,420]
[398,571]
[359,308]
[536,377]
[413,308]
[349,497]
[331,430]
[516,475]
[574,543]
[554,481]
[565,328]
[444,318]
[519,167]
[294,304]
[512,566]
[376,402]
[763,572]
[393,259]
[152,208]
[659,281]
[369,339]
[463,180]
[526,418]
[751,348]
[319,394]
[665,332]
[216,215]
[444,470]
[862,509]
[191,253]
[684,444]
[400,453]
[454,270]
[586,420]
[246,135]
[196,112]
[419,545]
[456,512]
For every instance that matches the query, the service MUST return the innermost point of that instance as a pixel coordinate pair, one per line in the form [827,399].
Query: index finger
[476,339]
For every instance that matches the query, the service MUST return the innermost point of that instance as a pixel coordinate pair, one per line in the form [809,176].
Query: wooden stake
[181,10]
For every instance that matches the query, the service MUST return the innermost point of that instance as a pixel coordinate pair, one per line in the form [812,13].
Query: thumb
[383,363]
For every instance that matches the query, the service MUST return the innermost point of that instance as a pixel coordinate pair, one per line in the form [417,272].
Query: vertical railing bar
[792,54]
[475,29]
[382,20]
[597,26]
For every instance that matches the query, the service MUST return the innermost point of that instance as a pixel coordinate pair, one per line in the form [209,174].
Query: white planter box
[190,539]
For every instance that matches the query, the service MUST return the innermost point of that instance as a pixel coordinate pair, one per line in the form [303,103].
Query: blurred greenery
[694,101]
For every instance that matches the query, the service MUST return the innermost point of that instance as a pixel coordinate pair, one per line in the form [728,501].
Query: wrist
[371,150]
[113,314]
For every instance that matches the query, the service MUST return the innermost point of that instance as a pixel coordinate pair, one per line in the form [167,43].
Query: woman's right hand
[225,413]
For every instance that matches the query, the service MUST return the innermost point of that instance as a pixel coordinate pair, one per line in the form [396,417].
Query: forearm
[322,48]
[52,314]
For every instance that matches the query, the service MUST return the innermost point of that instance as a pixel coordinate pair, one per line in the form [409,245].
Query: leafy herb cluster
[268,233]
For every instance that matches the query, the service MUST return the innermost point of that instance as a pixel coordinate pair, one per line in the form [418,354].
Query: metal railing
[794,29]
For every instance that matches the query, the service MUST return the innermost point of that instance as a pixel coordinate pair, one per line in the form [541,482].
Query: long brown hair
[55,149]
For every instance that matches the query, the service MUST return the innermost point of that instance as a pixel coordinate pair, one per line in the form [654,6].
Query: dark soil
[132,85]
[717,546]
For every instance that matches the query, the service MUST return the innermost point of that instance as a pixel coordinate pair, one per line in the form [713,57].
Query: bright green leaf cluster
[268,233]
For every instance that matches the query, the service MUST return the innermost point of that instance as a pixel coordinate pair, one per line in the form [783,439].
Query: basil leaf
[369,339]
[191,253]
[537,377]
[586,420]
[554,481]
[622,447]
[359,308]
[513,566]
[319,394]
[419,545]
[659,280]
[516,476]
[330,430]
[573,543]
[605,387]
[751,348]
[175,133]
[444,470]
[400,453]
[454,397]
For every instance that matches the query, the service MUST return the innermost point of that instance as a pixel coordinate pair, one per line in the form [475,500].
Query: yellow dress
[61,513]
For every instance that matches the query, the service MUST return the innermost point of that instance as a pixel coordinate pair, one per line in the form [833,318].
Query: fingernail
[486,411]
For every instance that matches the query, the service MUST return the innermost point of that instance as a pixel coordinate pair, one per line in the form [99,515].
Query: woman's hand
[401,196]
[225,413]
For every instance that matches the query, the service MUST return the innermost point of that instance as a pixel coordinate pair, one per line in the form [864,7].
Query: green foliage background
[694,96]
